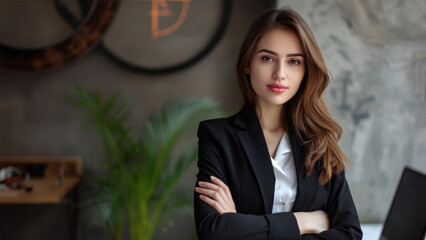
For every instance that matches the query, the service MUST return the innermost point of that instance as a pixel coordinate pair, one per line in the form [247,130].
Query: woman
[274,170]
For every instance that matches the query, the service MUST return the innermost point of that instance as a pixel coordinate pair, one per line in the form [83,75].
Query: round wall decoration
[85,36]
[161,36]
[149,36]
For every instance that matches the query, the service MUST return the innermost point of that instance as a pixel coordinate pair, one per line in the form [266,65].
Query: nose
[280,71]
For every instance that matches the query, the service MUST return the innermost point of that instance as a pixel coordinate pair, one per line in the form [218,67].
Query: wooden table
[45,190]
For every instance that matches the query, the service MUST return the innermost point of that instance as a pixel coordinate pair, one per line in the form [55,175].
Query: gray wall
[376,52]
[34,121]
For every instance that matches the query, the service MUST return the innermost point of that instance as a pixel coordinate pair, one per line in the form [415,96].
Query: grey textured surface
[376,52]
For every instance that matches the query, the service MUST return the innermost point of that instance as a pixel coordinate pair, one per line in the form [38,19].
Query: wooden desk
[45,189]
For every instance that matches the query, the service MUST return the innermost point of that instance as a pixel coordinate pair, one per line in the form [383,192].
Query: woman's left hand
[217,195]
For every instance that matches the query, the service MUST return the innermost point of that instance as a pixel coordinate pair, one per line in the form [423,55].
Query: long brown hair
[306,112]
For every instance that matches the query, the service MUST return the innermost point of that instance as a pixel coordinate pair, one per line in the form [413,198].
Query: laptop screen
[407,216]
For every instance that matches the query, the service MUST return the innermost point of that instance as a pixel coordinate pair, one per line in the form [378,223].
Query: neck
[270,117]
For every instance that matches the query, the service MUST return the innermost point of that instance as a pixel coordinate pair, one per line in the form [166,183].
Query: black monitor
[407,216]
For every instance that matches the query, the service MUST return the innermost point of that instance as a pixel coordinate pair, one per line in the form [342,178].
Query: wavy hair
[309,115]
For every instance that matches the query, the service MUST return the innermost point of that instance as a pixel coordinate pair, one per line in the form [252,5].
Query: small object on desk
[36,169]
[60,175]
[58,182]
[3,187]
[28,188]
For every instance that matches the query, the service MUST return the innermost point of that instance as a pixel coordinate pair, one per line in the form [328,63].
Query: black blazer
[234,149]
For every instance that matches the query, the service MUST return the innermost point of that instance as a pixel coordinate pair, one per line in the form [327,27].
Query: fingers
[211,197]
[217,195]
[224,187]
[212,191]
[219,187]
[213,203]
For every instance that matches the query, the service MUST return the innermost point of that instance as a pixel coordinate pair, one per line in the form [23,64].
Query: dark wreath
[99,15]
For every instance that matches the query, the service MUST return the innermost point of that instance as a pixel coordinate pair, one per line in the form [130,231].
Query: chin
[273,100]
[276,102]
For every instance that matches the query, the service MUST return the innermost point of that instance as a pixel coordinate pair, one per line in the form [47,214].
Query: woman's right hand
[312,222]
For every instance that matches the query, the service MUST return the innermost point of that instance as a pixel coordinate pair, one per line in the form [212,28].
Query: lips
[278,88]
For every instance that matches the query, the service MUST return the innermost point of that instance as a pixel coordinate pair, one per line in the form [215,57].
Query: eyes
[291,61]
[294,61]
[267,59]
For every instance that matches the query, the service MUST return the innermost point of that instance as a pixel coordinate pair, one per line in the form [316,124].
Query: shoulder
[218,124]
[218,128]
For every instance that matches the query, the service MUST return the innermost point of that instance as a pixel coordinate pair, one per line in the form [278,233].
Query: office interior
[375,51]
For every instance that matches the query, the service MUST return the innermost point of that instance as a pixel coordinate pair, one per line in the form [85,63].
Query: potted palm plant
[141,173]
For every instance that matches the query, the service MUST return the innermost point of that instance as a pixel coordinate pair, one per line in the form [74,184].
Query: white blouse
[285,177]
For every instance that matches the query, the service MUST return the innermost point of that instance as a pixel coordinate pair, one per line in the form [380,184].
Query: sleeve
[342,214]
[210,224]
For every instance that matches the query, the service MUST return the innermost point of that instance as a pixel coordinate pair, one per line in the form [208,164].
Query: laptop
[406,219]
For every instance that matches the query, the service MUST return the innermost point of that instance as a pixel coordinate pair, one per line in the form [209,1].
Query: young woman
[274,169]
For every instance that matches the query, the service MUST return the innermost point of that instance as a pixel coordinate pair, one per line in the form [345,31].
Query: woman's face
[277,67]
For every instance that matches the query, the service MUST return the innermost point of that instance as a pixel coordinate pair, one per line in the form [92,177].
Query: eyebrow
[274,53]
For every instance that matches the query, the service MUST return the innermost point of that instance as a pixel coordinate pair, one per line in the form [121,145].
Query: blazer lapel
[253,142]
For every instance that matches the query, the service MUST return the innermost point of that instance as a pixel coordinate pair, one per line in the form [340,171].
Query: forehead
[281,41]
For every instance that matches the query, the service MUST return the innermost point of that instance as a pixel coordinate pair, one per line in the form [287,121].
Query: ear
[247,70]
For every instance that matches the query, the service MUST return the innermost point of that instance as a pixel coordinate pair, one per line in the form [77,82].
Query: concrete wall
[34,120]
[376,52]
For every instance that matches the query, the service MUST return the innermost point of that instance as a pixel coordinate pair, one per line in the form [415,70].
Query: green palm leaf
[141,174]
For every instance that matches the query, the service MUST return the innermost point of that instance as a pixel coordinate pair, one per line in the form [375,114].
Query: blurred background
[374,49]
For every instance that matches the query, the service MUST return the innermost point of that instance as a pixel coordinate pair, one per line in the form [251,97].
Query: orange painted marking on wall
[160,8]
